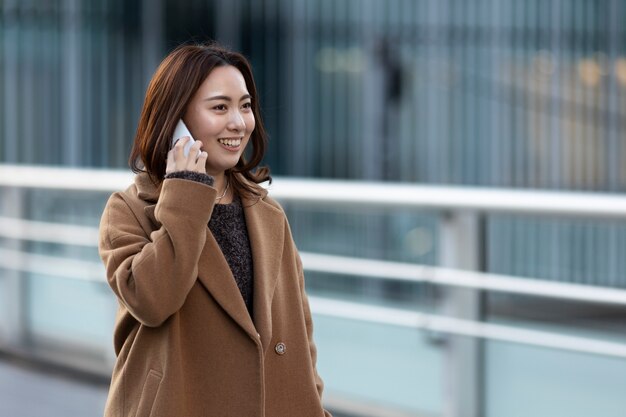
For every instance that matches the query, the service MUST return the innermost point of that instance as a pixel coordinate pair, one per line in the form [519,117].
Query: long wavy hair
[169,93]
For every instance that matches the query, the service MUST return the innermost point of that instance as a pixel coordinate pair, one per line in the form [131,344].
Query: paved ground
[30,391]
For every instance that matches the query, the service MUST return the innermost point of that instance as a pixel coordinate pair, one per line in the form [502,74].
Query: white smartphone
[181,131]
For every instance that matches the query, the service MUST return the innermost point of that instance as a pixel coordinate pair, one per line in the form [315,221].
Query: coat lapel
[216,276]
[266,229]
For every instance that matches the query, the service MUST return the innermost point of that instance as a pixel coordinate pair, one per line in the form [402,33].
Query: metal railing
[461,210]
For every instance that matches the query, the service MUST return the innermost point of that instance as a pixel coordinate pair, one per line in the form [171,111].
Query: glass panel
[74,312]
[71,312]
[524,381]
[390,366]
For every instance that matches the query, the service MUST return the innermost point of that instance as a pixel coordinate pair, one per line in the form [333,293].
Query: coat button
[280,348]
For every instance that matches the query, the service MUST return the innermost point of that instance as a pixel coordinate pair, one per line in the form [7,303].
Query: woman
[212,321]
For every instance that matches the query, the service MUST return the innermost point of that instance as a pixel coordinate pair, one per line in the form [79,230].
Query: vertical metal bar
[47,78]
[326,60]
[310,76]
[535,109]
[11,69]
[86,155]
[338,155]
[496,110]
[298,100]
[307,147]
[464,139]
[462,239]
[472,111]
[457,128]
[373,90]
[358,42]
[578,161]
[104,82]
[508,113]
[71,80]
[587,149]
[556,133]
[13,324]
[437,130]
[27,150]
[522,90]
[612,105]
[119,91]
[569,60]
[454,145]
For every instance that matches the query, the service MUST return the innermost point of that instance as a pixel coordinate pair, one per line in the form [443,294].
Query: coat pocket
[148,393]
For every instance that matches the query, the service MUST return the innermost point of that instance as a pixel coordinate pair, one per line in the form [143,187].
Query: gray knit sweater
[228,226]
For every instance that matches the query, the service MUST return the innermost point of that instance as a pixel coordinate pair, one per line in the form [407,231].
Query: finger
[180,160]
[180,145]
[196,147]
[194,152]
[170,164]
[182,140]
[201,162]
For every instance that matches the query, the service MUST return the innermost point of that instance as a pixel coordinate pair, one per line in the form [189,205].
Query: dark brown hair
[170,91]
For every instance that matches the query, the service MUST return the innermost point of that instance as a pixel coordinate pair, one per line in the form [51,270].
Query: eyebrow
[226,98]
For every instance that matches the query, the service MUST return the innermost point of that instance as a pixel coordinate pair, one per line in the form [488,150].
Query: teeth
[230,142]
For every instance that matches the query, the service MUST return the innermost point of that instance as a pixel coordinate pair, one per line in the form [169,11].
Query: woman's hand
[177,161]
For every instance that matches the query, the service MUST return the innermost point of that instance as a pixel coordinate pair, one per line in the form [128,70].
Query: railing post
[12,285]
[461,240]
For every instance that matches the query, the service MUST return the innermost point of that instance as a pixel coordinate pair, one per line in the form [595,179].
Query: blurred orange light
[620,71]
[589,72]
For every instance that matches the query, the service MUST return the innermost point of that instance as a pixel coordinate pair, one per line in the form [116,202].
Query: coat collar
[266,228]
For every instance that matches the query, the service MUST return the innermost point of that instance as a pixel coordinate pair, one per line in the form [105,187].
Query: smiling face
[220,115]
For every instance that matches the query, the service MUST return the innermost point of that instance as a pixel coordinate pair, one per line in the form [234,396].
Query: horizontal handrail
[355,193]
[350,266]
[38,231]
[94,272]
[61,178]
[416,320]
[47,265]
[449,198]
[400,271]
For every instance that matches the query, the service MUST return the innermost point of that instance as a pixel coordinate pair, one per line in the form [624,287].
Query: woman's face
[220,116]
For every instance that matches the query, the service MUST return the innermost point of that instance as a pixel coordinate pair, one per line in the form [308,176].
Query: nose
[236,122]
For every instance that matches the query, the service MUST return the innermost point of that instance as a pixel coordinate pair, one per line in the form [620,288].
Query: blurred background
[464,310]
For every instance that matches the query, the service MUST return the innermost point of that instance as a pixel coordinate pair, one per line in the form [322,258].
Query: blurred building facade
[498,93]
[481,92]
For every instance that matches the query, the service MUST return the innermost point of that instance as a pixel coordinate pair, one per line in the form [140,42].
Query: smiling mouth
[230,142]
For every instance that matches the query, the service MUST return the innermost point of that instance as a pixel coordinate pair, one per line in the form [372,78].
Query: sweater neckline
[235,203]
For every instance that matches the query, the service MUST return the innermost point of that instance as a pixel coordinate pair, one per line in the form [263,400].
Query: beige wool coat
[186,345]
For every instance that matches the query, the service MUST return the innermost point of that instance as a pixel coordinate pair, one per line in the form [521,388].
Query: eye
[220,107]
[247,105]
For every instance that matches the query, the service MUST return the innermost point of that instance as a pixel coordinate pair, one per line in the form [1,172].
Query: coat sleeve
[309,328]
[152,275]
